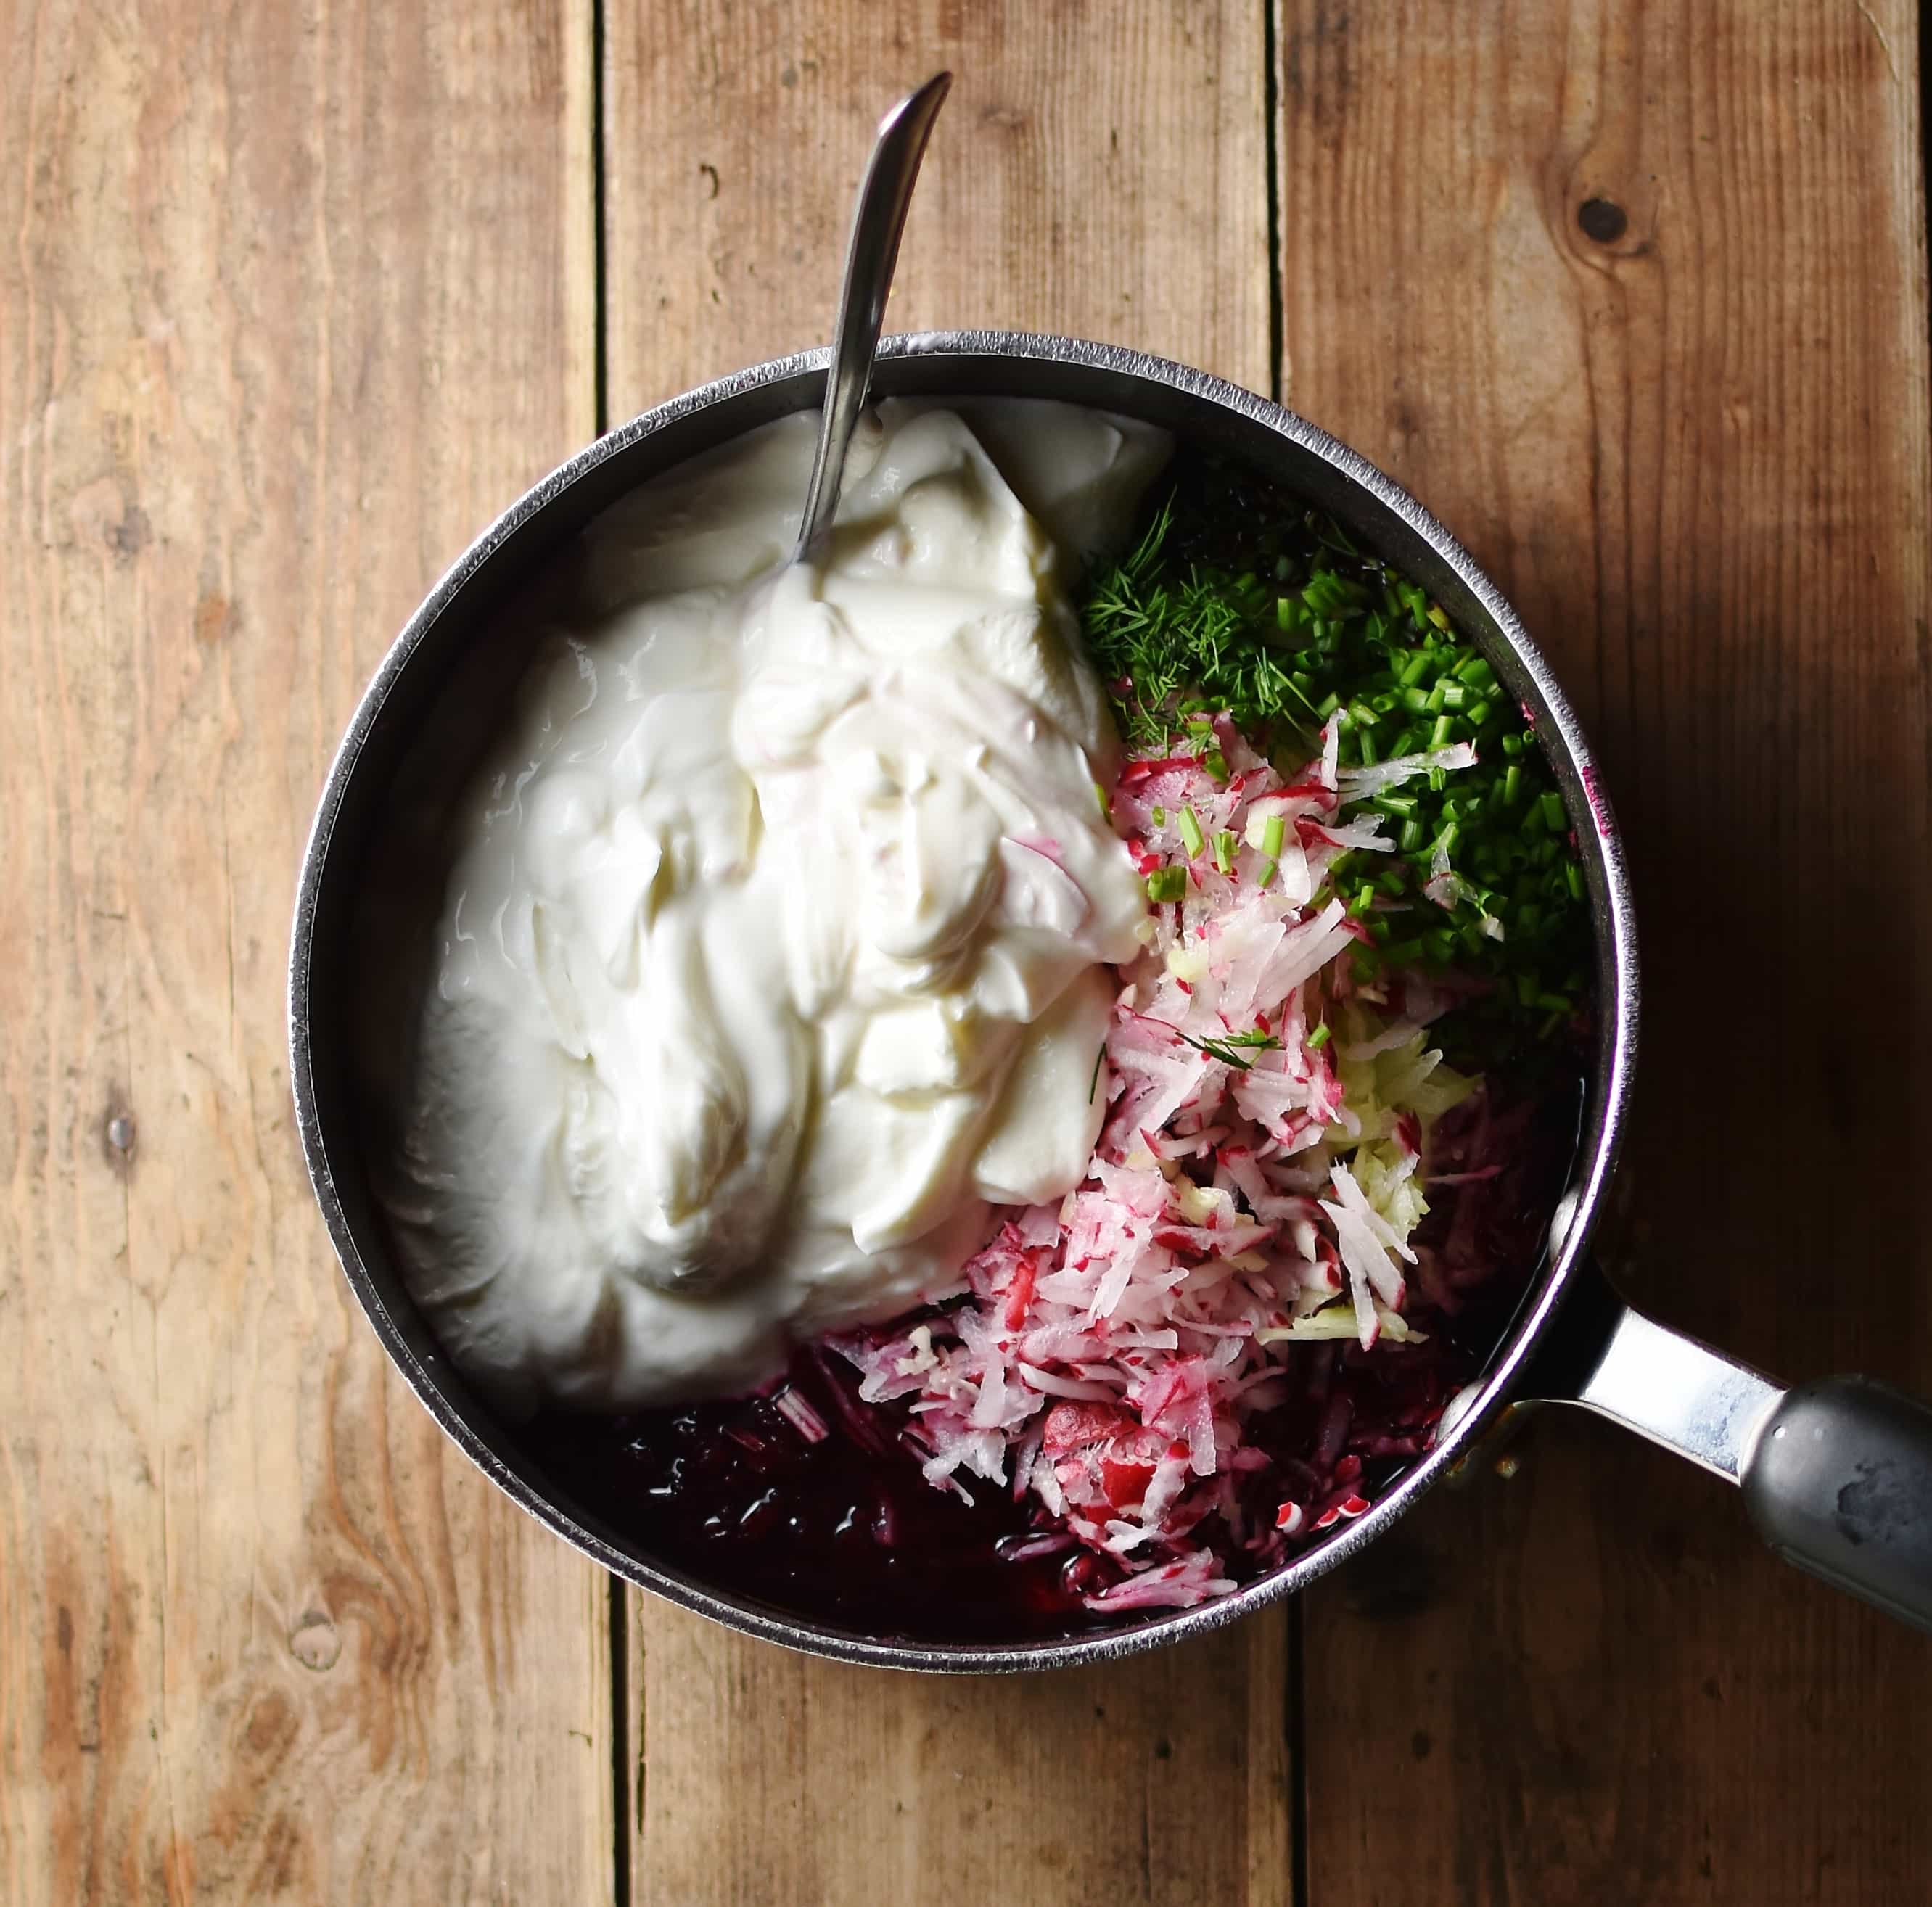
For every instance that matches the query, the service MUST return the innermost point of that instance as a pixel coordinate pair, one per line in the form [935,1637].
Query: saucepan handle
[1836,1474]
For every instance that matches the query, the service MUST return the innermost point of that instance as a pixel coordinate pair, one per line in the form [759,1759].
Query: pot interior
[360,927]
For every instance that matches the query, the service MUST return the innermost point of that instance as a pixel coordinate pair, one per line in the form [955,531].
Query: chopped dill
[1224,1049]
[1238,600]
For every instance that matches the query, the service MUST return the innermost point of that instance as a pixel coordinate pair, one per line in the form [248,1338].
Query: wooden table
[294,297]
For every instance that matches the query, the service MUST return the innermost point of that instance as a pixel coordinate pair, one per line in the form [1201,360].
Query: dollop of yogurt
[774,949]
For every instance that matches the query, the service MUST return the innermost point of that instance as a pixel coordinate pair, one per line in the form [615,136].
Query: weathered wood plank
[1688,431]
[764,1776]
[1098,171]
[293,299]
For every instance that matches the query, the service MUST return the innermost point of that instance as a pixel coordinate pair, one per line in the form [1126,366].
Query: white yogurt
[774,947]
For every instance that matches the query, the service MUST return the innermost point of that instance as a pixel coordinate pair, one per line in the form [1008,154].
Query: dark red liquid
[731,1494]
[848,1532]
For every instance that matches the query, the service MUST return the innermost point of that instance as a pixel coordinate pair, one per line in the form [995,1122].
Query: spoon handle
[870,252]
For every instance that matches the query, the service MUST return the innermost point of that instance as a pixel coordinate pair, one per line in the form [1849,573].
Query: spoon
[872,250]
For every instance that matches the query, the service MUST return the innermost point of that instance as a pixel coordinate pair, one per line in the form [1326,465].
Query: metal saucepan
[1836,1474]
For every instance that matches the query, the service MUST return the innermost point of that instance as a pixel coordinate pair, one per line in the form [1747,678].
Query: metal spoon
[878,219]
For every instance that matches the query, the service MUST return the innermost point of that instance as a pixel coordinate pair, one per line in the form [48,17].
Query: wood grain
[1693,447]
[764,1776]
[1098,170]
[294,298]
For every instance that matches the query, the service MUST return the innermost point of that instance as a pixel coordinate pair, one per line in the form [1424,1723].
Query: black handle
[1839,1482]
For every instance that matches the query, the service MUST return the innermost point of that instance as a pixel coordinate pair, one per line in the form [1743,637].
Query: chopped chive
[1184,640]
[1100,796]
[1318,1038]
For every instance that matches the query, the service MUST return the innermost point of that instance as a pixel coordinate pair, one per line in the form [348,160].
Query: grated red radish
[797,1410]
[1258,1174]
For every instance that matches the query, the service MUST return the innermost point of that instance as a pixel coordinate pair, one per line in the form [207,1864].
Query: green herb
[1159,638]
[1166,884]
[1226,848]
[1238,600]
[1228,1049]
[1318,1038]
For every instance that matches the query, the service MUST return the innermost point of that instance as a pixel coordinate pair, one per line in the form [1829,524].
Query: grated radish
[1252,1196]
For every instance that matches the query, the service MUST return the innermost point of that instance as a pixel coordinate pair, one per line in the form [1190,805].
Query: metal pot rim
[1618,990]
